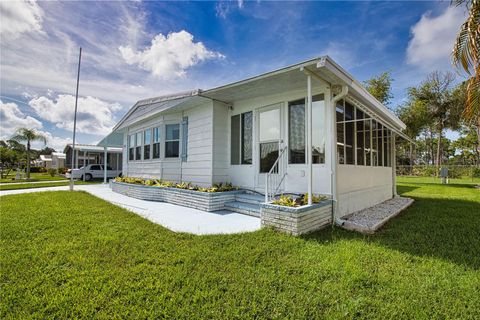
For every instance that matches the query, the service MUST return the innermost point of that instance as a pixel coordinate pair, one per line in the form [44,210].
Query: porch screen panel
[318,129]
[386,147]
[235,140]
[374,143]
[296,131]
[360,131]
[349,133]
[340,112]
[247,137]
[380,144]
[368,142]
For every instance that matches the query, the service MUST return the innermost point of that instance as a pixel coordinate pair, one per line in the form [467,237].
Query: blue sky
[135,50]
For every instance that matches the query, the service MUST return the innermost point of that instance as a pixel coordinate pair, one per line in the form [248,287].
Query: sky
[136,50]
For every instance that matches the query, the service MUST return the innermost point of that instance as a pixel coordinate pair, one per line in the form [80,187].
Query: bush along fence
[288,213]
[454,171]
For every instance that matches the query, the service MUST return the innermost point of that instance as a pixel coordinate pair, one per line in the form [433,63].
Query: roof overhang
[113,139]
[293,77]
[93,148]
[148,108]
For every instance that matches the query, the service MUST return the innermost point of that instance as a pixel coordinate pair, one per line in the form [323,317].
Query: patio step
[244,208]
[250,198]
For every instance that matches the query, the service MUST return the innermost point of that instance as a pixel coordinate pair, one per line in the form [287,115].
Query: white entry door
[269,140]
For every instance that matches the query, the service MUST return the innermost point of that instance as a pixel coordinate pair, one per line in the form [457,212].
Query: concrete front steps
[246,203]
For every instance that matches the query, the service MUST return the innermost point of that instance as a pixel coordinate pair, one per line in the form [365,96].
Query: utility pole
[75,120]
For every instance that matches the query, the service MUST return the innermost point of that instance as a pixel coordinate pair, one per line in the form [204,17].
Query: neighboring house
[86,154]
[56,160]
[258,129]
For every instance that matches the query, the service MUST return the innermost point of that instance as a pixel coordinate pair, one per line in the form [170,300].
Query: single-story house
[306,128]
[86,154]
[56,160]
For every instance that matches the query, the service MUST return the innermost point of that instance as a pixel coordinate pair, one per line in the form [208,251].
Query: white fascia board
[355,86]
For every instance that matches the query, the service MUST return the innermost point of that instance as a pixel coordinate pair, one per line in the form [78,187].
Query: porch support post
[105,156]
[393,161]
[84,164]
[309,138]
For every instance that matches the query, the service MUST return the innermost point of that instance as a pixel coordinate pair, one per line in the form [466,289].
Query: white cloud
[223,8]
[433,37]
[169,57]
[54,142]
[94,116]
[12,118]
[19,17]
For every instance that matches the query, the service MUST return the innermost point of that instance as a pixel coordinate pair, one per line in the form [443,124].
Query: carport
[113,140]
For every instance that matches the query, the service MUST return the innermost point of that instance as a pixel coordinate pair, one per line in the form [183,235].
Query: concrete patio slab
[173,217]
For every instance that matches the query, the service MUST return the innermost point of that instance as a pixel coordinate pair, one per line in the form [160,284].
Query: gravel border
[371,219]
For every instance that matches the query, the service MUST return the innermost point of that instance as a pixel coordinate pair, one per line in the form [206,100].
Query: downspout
[181,148]
[334,162]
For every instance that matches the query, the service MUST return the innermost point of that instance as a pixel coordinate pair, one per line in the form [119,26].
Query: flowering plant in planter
[219,187]
[296,200]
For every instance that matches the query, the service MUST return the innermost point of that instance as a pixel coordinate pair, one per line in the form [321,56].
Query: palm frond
[466,49]
[472,106]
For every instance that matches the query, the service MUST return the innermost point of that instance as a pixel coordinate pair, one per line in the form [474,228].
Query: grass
[27,185]
[33,177]
[71,255]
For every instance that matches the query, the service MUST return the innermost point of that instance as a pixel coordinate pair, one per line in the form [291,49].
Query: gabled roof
[288,78]
[147,107]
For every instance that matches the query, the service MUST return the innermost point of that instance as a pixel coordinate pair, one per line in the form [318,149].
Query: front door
[269,140]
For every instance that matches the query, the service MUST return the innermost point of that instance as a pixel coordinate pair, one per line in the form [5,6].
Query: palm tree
[466,54]
[28,135]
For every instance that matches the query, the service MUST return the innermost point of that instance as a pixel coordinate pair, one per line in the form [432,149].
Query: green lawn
[33,177]
[70,255]
[27,185]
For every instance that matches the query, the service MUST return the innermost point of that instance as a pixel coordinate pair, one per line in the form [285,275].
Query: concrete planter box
[296,220]
[206,201]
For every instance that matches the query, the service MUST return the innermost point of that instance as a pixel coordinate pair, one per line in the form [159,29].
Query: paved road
[173,217]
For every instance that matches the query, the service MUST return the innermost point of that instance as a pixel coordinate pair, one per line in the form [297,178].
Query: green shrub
[52,172]
[37,169]
[474,172]
[183,185]
[286,201]
[315,199]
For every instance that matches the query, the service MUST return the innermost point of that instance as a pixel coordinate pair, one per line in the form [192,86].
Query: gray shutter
[184,138]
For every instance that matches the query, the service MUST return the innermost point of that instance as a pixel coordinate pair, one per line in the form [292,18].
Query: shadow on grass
[441,228]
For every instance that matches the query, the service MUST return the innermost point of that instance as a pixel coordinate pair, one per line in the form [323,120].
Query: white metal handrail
[275,176]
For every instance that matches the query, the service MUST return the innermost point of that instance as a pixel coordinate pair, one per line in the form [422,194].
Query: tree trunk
[431,157]
[439,150]
[28,159]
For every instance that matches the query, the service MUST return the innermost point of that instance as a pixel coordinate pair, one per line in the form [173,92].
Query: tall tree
[466,54]
[28,135]
[443,104]
[381,87]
